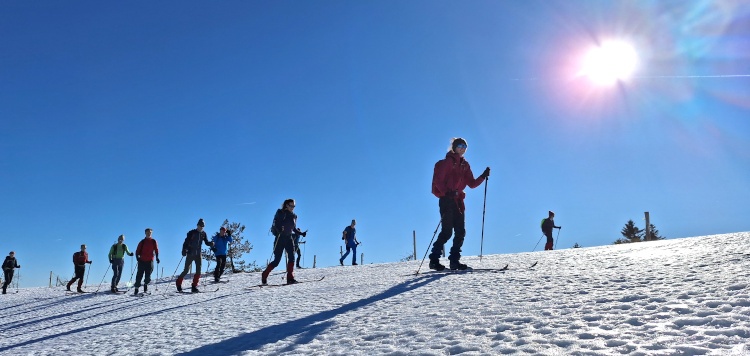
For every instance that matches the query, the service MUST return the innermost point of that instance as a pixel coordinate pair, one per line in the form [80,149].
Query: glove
[212,244]
[486,173]
[304,234]
[157,260]
[184,253]
[131,254]
[89,262]
[559,227]
[19,266]
[110,261]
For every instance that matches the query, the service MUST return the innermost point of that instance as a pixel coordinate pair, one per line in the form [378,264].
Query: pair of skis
[469,269]
[285,284]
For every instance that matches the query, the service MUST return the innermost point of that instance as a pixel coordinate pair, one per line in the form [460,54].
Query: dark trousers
[221,264]
[117,264]
[80,273]
[8,278]
[297,250]
[283,243]
[452,220]
[144,268]
[550,242]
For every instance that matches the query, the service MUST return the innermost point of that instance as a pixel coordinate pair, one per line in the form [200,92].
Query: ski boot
[194,290]
[456,265]
[436,265]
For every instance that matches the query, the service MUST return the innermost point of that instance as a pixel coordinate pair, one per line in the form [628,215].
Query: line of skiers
[148,251]
[450,177]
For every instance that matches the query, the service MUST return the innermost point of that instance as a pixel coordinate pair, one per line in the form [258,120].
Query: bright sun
[611,62]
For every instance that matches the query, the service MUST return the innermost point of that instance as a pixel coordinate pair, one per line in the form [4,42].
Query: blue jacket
[220,244]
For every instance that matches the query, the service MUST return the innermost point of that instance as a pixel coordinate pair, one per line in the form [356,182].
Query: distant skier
[220,242]
[191,250]
[284,226]
[547,225]
[116,254]
[450,177]
[145,252]
[80,259]
[9,266]
[297,234]
[350,238]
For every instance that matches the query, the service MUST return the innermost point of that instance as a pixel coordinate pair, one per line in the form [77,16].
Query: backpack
[435,182]
[542,224]
[276,224]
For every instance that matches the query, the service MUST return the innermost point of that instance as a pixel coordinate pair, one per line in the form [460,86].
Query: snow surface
[674,297]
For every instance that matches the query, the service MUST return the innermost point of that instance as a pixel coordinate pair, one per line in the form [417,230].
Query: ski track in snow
[674,297]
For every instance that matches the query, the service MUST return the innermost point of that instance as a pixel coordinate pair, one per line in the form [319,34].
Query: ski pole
[18,280]
[132,271]
[100,283]
[484,206]
[557,238]
[428,246]
[203,278]
[156,284]
[86,283]
[174,274]
[537,243]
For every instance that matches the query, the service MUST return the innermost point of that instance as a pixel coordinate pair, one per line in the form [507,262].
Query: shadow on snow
[305,328]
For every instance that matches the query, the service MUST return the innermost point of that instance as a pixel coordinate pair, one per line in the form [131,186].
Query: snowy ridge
[684,296]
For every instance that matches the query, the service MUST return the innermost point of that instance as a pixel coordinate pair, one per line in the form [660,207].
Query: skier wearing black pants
[297,235]
[80,259]
[220,241]
[9,266]
[547,225]
[451,176]
[284,226]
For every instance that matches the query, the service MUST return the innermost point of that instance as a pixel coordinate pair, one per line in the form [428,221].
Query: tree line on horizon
[631,233]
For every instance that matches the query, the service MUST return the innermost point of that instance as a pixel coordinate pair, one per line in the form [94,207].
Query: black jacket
[192,244]
[10,263]
[547,226]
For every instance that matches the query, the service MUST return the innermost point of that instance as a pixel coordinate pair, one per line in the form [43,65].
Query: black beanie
[201,223]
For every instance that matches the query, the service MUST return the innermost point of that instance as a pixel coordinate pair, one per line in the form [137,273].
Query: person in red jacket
[80,259]
[449,179]
[145,252]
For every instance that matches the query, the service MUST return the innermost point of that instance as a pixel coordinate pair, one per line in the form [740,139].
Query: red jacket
[146,250]
[80,258]
[453,174]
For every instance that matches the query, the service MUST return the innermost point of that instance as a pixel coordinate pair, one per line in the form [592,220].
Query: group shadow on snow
[307,328]
[94,326]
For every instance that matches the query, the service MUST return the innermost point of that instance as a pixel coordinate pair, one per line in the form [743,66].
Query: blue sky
[118,117]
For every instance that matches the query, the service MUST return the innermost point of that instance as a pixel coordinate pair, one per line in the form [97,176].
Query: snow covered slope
[684,296]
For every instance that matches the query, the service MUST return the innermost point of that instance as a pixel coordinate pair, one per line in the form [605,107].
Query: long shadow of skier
[103,324]
[305,328]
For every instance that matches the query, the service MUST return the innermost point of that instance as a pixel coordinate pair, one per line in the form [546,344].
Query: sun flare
[609,63]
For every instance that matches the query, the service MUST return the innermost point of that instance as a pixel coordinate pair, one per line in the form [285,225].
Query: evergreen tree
[655,233]
[631,233]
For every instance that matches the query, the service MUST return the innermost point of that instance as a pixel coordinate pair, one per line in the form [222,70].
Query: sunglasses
[460,145]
